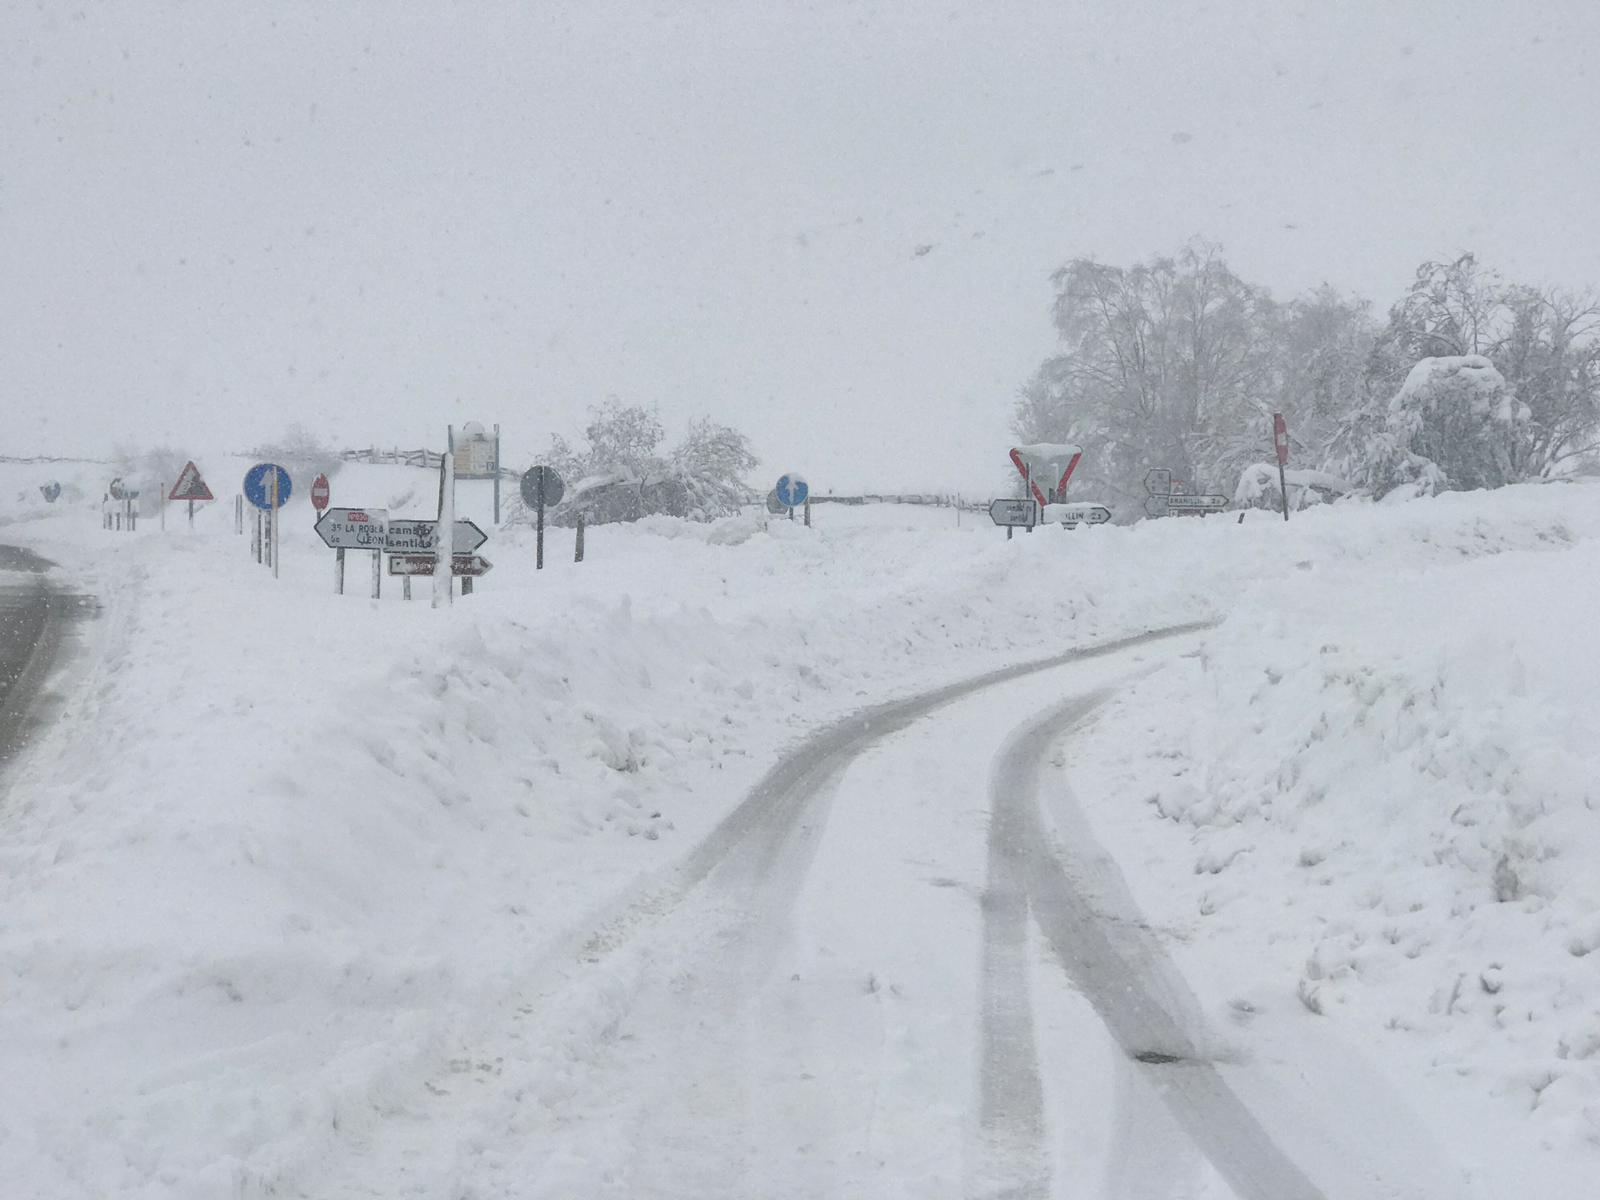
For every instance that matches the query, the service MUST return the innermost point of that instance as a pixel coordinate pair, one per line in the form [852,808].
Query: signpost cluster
[1165,497]
[412,545]
[1045,469]
[122,514]
[792,492]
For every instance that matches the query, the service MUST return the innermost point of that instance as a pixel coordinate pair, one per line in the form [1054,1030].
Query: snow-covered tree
[711,463]
[1163,364]
[623,474]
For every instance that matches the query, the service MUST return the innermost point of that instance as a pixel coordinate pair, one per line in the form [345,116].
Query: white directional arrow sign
[418,537]
[470,565]
[1014,512]
[1083,512]
[355,528]
[1196,504]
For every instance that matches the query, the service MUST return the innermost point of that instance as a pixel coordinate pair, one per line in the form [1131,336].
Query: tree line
[1469,381]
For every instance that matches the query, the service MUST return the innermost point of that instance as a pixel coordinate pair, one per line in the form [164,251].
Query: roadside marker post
[1280,443]
[577,550]
[443,590]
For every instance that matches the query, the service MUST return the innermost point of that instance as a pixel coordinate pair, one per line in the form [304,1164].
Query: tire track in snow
[758,854]
[1119,967]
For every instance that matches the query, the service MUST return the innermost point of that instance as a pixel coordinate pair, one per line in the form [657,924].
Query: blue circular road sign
[792,490]
[258,485]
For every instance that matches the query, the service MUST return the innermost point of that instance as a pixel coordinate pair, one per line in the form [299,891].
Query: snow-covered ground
[286,859]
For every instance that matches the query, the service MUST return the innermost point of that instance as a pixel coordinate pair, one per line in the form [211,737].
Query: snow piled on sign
[285,859]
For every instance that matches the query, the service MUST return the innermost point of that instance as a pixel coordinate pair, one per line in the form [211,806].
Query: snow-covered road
[33,616]
[839,992]
[813,991]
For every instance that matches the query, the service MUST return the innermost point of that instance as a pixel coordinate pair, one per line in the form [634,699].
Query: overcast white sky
[216,219]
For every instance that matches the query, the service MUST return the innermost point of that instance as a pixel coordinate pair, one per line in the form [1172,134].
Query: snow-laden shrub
[1454,424]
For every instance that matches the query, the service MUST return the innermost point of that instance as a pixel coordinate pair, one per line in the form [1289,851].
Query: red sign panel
[319,493]
[1280,438]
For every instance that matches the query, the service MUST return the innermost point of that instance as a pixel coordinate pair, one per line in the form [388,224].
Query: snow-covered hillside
[284,857]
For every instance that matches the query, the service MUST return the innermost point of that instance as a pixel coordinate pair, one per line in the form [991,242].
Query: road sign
[774,505]
[190,486]
[1085,512]
[319,493]
[470,565]
[1014,512]
[1157,482]
[1049,464]
[354,528]
[1280,438]
[420,537]
[1196,504]
[477,452]
[792,490]
[543,482]
[258,488]
[1156,506]
[51,491]
[116,489]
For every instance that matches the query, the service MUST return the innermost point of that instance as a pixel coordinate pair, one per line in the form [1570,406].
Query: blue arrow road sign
[792,490]
[257,485]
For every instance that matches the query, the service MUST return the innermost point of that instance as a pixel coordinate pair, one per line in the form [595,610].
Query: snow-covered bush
[1258,487]
[1453,424]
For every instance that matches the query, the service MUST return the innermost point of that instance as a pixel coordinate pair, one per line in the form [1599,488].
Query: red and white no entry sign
[319,493]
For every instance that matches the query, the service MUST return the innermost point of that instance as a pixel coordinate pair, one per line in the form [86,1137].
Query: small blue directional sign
[258,485]
[792,490]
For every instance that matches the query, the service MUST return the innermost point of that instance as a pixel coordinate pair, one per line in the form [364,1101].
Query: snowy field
[286,866]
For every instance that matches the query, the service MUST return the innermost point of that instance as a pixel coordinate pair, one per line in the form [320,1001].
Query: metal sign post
[1280,443]
[274,494]
[267,486]
[541,486]
[443,591]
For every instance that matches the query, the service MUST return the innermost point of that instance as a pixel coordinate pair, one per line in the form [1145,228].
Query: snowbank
[1383,786]
[285,851]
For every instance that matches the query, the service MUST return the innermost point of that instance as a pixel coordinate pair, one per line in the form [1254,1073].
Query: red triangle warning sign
[190,486]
